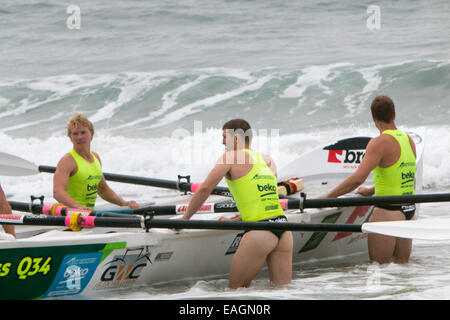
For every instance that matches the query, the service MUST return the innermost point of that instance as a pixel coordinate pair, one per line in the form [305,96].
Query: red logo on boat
[332,156]
[349,157]
[358,212]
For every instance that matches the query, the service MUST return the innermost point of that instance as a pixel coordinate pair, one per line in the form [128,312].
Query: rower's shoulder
[67,158]
[97,156]
[268,159]
[66,164]
[381,140]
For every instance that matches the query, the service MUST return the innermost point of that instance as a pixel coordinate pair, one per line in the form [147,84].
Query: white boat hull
[91,261]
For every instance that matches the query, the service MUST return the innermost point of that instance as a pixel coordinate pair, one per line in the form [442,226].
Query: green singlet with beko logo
[256,193]
[83,185]
[398,179]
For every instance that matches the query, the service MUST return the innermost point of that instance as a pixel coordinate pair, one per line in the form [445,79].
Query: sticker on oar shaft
[206,208]
[11,219]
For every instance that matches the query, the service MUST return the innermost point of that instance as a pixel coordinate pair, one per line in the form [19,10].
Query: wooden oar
[420,229]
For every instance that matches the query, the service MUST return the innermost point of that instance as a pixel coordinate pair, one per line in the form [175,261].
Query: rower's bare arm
[204,190]
[271,164]
[64,169]
[374,154]
[5,208]
[364,191]
[108,194]
[413,146]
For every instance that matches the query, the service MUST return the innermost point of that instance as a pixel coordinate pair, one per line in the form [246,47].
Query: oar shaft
[365,201]
[140,222]
[150,182]
[234,225]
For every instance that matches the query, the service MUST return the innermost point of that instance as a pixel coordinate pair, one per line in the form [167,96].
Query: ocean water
[159,78]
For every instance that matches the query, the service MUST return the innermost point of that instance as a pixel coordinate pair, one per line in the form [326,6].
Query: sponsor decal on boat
[26,267]
[50,271]
[234,244]
[348,152]
[124,270]
[317,237]
[359,212]
[163,256]
[74,274]
[347,157]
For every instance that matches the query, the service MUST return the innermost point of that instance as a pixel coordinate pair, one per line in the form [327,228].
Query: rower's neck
[85,154]
[243,148]
[386,126]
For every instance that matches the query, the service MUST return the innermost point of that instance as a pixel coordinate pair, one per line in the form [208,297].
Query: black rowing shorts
[278,233]
[407,210]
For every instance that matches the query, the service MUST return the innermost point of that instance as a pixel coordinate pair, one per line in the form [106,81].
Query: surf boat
[49,260]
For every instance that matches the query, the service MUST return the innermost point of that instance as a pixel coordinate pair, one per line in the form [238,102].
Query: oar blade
[426,229]
[11,165]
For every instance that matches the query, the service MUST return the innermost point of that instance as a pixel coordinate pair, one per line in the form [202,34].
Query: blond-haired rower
[78,177]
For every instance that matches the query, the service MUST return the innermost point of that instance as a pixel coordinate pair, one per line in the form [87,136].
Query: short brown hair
[383,109]
[79,120]
[241,127]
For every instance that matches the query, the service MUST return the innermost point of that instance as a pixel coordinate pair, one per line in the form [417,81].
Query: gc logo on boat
[123,270]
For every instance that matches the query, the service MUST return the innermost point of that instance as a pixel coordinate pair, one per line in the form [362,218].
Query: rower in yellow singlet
[251,178]
[78,177]
[392,158]
[83,185]
[256,193]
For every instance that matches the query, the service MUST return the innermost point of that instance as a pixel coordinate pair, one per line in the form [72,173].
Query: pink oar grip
[87,222]
[284,204]
[46,209]
[195,186]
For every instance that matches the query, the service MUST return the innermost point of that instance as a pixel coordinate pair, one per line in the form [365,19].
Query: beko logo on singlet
[92,188]
[267,187]
[345,156]
[409,176]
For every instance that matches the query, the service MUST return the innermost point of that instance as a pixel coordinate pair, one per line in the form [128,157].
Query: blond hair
[79,120]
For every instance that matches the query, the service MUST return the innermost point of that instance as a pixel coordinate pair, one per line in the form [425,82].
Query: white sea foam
[195,107]
[313,76]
